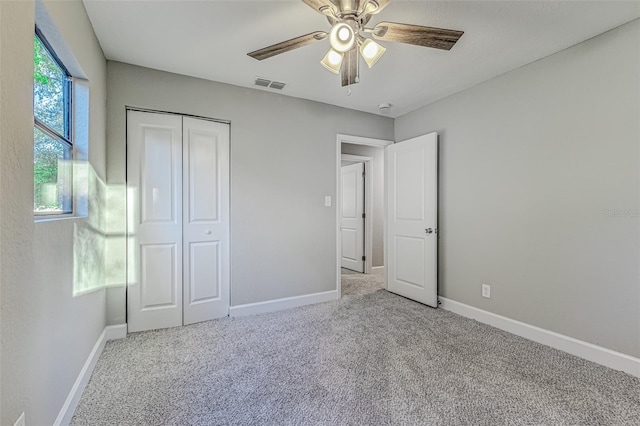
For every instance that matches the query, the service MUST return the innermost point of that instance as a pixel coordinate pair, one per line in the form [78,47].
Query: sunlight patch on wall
[89,235]
[116,248]
[132,214]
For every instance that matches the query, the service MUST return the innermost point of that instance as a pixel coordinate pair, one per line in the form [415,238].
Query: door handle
[429,231]
[207,232]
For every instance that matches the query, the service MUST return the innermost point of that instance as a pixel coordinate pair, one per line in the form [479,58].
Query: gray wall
[47,334]
[530,163]
[283,239]
[377,215]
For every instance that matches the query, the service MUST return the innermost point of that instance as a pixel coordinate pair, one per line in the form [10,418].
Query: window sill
[55,218]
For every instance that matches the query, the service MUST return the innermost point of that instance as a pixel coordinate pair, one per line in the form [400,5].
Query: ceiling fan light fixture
[371,52]
[332,61]
[342,37]
[348,37]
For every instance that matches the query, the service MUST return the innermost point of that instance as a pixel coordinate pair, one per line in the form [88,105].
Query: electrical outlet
[486,291]
[20,421]
[327,200]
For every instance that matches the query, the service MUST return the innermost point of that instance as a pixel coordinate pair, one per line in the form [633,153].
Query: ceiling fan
[350,35]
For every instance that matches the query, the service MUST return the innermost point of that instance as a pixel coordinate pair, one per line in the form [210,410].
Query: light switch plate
[327,200]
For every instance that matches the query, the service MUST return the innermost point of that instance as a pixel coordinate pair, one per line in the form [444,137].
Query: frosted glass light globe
[342,37]
[334,58]
[344,34]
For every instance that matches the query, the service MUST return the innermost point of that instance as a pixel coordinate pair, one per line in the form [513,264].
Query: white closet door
[412,215]
[206,220]
[351,221]
[154,220]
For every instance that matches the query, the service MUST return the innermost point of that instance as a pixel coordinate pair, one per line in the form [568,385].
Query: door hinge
[364,174]
[364,215]
[364,258]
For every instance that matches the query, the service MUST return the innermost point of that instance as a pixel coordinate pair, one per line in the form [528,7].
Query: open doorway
[360,216]
[356,213]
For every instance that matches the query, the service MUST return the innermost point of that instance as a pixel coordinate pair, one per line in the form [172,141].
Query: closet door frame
[133,272]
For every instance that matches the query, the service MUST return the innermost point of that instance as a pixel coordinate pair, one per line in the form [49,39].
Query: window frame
[66,138]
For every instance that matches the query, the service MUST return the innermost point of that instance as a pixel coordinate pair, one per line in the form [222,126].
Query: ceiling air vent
[263,82]
[277,85]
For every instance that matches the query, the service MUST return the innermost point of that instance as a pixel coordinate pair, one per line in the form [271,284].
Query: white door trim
[356,140]
[157,111]
[359,140]
[368,207]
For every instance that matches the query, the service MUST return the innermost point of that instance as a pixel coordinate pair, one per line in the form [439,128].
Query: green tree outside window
[52,148]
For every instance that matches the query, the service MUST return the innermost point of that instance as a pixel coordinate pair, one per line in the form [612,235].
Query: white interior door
[206,220]
[411,171]
[154,220]
[351,219]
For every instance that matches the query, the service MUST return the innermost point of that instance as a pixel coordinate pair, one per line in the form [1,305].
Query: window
[53,149]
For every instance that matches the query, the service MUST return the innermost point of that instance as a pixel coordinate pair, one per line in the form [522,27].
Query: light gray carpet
[345,271]
[358,284]
[371,358]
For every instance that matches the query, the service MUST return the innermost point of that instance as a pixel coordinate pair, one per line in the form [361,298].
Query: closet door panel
[206,219]
[154,220]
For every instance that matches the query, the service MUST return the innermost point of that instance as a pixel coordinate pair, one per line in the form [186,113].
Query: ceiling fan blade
[381,5]
[288,45]
[349,68]
[317,5]
[437,38]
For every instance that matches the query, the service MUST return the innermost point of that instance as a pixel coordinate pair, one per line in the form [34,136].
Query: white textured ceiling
[210,40]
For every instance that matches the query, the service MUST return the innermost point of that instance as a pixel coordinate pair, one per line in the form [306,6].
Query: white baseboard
[588,351]
[110,332]
[377,270]
[280,304]
[115,332]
